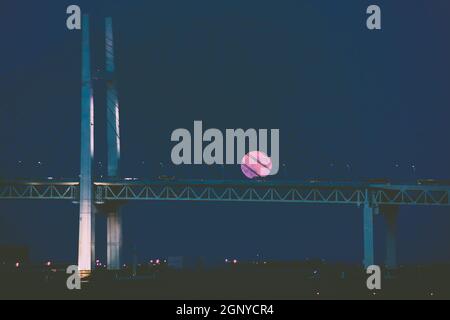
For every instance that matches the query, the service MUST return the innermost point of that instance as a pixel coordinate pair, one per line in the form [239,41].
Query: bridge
[346,193]
[372,198]
[108,195]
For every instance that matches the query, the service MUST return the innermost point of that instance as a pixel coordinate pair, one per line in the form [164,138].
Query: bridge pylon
[86,243]
[86,248]
[113,215]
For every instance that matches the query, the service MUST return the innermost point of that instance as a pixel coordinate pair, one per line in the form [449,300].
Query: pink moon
[256,164]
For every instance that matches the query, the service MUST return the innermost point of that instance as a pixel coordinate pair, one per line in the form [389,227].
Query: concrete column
[114,242]
[368,213]
[390,214]
[114,218]
[86,244]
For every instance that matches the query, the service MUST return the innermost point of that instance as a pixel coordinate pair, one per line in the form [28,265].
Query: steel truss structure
[233,191]
[49,190]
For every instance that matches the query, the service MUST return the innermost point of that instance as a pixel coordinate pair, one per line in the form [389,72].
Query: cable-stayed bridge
[108,195]
[372,198]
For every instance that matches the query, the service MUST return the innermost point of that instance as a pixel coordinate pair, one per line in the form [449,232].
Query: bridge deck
[233,190]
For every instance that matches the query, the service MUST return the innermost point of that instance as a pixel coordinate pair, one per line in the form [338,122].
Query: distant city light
[235,261]
[17,264]
[49,263]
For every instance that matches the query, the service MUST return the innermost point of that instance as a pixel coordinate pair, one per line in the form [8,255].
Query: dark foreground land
[237,282]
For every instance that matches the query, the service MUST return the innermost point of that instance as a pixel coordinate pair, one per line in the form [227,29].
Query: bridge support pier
[86,238]
[390,214]
[86,243]
[114,241]
[368,213]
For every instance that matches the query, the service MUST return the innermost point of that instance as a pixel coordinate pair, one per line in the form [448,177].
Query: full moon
[256,164]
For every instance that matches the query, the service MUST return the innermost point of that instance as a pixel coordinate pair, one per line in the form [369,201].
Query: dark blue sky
[349,103]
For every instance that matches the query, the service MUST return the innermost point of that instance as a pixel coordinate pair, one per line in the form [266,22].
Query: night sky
[350,104]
